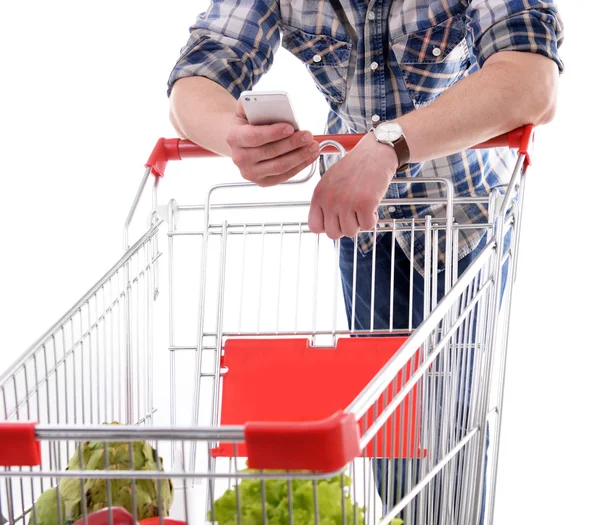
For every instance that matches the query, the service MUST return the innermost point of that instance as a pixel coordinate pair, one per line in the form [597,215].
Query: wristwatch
[391,133]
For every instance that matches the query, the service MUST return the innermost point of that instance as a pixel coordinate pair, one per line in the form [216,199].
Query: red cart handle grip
[178,149]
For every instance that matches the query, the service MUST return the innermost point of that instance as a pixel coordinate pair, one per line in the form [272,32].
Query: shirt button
[371,15]
[375,118]
[317,58]
[374,66]
[436,51]
[392,209]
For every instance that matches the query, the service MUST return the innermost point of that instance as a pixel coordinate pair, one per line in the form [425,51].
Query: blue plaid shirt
[379,60]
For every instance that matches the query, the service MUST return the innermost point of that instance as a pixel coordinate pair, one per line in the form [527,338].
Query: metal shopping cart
[274,408]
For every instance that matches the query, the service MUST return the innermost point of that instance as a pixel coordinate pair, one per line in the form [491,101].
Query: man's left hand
[346,199]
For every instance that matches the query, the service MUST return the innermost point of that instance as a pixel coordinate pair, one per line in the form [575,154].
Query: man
[441,75]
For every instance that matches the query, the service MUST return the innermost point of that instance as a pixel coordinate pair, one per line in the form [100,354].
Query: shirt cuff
[533,31]
[215,61]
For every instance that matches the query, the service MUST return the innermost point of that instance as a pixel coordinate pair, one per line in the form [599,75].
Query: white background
[82,103]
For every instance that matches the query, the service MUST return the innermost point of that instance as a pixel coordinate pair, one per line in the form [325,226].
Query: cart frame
[117,312]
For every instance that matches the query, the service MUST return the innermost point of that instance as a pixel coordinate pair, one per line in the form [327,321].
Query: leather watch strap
[402,152]
[401,148]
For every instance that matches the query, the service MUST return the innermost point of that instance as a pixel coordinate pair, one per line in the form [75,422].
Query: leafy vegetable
[276,508]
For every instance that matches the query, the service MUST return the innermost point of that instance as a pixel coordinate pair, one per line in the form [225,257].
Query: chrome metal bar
[155,474]
[519,222]
[243,272]
[315,291]
[228,434]
[412,276]
[134,206]
[373,269]
[279,281]
[171,227]
[98,368]
[512,185]
[83,354]
[336,280]
[73,370]
[274,228]
[354,278]
[427,269]
[435,257]
[298,266]
[392,275]
[151,295]
[136,377]
[129,417]
[180,348]
[259,295]
[290,333]
[200,327]
[302,204]
[220,312]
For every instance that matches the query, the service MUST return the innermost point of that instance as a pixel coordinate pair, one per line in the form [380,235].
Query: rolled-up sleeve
[515,25]
[232,43]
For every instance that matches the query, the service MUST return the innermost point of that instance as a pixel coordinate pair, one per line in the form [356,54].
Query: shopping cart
[276,410]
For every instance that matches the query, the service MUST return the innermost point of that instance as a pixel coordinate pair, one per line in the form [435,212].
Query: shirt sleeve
[515,25]
[232,43]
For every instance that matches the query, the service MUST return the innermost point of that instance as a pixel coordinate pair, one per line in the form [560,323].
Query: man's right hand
[269,155]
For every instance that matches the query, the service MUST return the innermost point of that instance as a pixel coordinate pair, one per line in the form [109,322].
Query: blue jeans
[381,321]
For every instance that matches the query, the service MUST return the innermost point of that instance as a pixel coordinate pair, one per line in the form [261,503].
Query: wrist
[383,152]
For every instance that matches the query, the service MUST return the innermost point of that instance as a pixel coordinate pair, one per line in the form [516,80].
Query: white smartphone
[268,107]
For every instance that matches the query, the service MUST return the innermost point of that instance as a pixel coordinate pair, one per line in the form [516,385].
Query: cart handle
[270,445]
[178,149]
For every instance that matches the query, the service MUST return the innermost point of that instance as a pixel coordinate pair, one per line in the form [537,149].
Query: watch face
[388,132]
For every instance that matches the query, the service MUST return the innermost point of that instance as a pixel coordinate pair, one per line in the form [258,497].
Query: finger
[349,224]
[278,179]
[316,221]
[254,136]
[332,225]
[367,218]
[287,162]
[278,148]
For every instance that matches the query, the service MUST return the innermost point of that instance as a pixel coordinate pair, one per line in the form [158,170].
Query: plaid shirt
[379,60]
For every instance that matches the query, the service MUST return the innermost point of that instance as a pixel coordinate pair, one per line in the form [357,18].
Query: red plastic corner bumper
[164,151]
[19,446]
[302,446]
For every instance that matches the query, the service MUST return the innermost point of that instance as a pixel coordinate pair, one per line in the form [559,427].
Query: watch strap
[402,152]
[400,147]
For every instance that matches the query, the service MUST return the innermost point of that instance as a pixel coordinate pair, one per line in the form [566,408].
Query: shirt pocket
[432,60]
[326,58]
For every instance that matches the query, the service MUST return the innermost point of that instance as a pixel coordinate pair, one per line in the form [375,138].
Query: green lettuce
[330,502]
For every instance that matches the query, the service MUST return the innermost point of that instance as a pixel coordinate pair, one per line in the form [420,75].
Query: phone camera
[247,99]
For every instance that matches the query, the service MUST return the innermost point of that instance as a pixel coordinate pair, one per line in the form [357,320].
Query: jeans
[381,321]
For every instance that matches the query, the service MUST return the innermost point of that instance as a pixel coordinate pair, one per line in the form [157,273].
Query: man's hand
[347,196]
[269,155]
